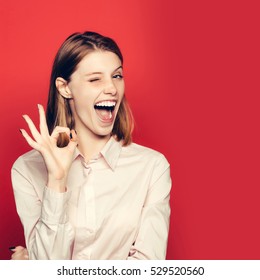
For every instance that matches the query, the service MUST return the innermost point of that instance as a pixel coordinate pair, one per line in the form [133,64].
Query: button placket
[90,207]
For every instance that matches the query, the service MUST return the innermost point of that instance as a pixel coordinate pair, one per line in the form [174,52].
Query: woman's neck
[90,144]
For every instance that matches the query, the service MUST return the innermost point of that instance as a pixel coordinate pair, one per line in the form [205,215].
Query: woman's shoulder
[150,161]
[144,153]
[28,159]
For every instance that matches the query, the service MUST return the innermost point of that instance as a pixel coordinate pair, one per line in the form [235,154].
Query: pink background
[192,79]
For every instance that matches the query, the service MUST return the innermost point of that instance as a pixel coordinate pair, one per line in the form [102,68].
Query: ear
[63,88]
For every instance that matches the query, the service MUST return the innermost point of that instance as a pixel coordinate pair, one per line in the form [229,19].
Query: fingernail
[38,106]
[12,248]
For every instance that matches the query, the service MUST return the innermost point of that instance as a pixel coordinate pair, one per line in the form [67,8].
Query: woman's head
[82,51]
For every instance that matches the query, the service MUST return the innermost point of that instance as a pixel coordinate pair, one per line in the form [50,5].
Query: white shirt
[116,205]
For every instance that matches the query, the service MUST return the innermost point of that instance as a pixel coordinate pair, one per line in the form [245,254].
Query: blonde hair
[71,52]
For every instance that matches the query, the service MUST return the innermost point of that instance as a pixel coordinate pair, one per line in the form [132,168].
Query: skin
[98,77]
[20,253]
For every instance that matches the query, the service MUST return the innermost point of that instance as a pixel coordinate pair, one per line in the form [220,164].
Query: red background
[192,79]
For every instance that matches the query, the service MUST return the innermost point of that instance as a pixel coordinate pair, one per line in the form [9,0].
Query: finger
[17,248]
[21,255]
[12,248]
[25,254]
[73,136]
[29,140]
[73,140]
[43,124]
[33,129]
[58,130]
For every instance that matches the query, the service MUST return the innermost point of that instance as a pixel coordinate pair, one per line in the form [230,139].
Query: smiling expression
[96,90]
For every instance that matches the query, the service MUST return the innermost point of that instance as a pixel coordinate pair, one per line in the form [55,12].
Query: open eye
[118,76]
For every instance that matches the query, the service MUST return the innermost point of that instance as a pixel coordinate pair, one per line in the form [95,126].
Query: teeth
[106,103]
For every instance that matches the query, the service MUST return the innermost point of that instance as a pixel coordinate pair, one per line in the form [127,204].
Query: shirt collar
[110,152]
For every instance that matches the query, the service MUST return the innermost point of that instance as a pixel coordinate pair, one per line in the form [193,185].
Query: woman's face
[97,88]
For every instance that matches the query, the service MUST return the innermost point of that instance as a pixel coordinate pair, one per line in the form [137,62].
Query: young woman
[86,191]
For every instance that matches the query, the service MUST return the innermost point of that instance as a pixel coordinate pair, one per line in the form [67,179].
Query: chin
[104,133]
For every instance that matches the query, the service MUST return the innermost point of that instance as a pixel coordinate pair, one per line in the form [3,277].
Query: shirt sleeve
[48,234]
[152,237]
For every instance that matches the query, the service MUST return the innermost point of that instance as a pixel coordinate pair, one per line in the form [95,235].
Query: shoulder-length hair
[71,52]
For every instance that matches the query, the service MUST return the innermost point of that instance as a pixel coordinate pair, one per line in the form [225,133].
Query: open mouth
[104,110]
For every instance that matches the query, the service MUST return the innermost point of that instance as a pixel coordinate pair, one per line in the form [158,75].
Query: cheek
[121,90]
[83,96]
[81,105]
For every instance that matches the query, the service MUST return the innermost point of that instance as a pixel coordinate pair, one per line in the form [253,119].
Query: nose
[110,88]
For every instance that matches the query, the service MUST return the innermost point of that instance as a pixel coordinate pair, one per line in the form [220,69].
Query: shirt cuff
[54,206]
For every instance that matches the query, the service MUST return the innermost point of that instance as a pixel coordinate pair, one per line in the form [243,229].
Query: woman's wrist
[57,185]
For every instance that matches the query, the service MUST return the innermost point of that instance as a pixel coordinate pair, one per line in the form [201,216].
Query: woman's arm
[48,234]
[47,231]
[151,241]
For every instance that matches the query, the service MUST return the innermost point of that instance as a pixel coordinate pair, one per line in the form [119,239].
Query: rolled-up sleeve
[152,237]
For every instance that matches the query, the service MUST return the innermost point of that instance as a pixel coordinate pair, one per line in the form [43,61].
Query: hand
[20,253]
[57,160]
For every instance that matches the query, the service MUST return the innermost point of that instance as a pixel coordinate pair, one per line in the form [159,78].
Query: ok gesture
[58,160]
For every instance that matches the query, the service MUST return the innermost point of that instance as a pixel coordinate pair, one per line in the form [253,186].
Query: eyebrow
[93,73]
